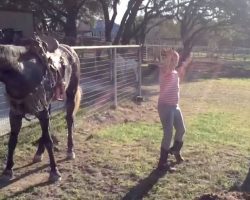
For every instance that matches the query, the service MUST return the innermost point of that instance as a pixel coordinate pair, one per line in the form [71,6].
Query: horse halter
[35,101]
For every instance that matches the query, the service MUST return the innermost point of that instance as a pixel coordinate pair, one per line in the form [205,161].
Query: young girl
[169,110]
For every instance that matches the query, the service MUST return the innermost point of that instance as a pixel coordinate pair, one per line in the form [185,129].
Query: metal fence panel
[109,75]
[112,74]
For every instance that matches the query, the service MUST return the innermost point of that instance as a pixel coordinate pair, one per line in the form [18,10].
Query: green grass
[216,142]
[119,158]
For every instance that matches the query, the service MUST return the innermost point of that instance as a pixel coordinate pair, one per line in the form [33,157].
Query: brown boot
[163,162]
[176,151]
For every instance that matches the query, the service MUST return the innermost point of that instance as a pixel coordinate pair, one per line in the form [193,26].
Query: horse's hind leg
[15,125]
[43,117]
[72,103]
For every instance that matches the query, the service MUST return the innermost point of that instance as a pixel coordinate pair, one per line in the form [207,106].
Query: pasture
[117,150]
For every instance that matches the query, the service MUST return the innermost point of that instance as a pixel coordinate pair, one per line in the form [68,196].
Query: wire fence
[152,52]
[109,75]
[112,74]
[236,54]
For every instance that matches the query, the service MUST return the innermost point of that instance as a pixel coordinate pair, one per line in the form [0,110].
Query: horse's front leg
[43,117]
[41,148]
[15,126]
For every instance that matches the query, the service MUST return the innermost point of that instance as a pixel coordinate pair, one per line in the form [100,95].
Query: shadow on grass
[27,190]
[144,185]
[5,183]
[245,187]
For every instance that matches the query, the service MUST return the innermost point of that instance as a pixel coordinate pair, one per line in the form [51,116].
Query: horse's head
[20,71]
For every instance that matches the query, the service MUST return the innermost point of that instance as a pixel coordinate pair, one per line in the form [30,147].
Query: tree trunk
[108,31]
[127,33]
[70,28]
[186,52]
[128,19]
[126,39]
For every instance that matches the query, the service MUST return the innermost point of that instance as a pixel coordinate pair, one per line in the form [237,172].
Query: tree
[241,28]
[154,13]
[139,18]
[168,29]
[197,17]
[63,14]
[109,21]
[56,15]
[127,20]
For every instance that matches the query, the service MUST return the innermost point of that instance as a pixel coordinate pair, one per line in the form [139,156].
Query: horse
[30,84]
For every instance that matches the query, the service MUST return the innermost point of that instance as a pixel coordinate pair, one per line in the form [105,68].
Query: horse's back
[72,57]
[70,51]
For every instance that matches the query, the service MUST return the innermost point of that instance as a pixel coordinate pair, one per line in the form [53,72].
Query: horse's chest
[35,101]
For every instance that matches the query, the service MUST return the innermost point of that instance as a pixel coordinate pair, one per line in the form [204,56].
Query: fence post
[140,50]
[111,62]
[115,78]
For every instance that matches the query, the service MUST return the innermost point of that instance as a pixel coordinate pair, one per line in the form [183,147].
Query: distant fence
[112,74]
[152,52]
[236,53]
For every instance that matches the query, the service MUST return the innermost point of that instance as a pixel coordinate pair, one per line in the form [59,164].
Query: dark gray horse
[30,86]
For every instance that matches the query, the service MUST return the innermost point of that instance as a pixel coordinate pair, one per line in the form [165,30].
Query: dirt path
[29,176]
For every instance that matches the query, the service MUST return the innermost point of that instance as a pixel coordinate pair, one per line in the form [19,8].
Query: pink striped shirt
[169,87]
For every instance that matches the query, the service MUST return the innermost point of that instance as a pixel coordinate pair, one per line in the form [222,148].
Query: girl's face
[168,56]
[165,52]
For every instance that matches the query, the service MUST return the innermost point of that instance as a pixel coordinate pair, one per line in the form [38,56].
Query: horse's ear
[45,46]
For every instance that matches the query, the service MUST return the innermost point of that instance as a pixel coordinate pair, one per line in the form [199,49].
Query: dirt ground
[127,112]
[225,196]
[147,111]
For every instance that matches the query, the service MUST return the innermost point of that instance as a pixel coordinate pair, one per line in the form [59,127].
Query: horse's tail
[77,99]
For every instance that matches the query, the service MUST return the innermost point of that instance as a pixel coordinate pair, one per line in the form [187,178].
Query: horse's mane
[10,55]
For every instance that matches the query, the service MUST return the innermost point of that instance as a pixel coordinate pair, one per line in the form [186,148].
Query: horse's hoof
[37,158]
[7,174]
[55,176]
[71,155]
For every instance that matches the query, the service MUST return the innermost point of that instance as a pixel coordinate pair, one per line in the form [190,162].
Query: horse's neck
[21,80]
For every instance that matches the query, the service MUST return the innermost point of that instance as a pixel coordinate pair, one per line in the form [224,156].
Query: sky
[121,8]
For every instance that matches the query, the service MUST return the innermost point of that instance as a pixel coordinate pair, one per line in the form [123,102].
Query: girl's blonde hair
[170,58]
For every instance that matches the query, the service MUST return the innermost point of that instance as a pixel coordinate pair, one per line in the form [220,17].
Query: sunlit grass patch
[132,132]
